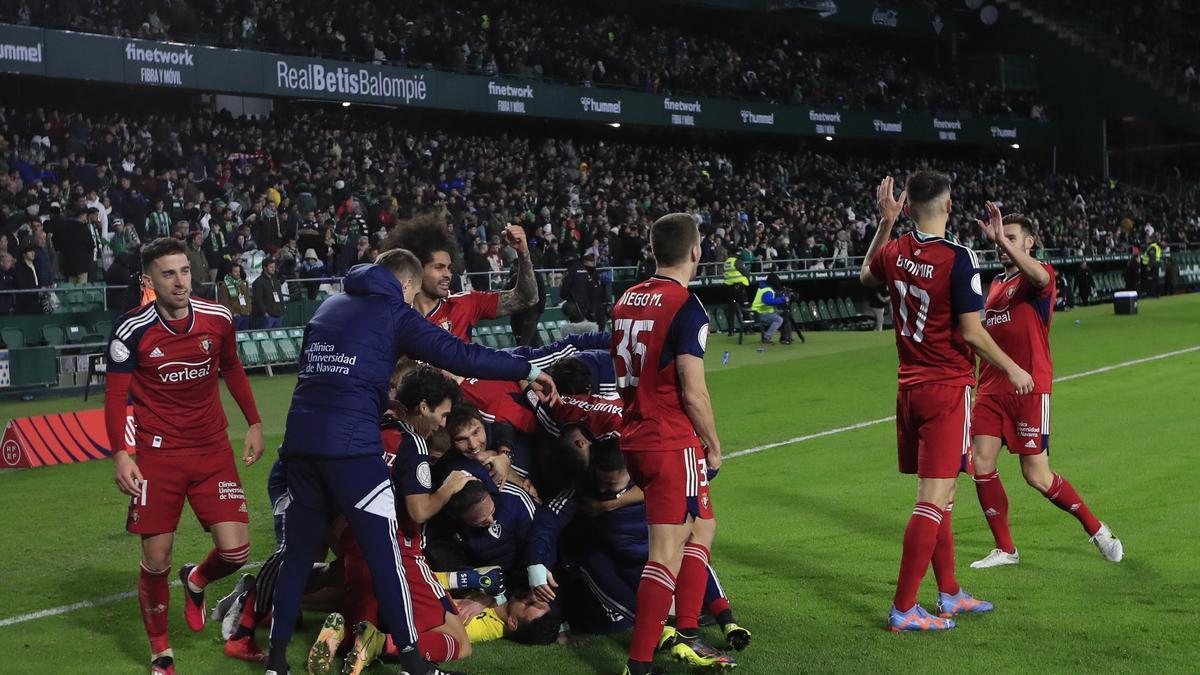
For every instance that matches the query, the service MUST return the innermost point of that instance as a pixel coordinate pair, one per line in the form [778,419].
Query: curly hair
[428,384]
[424,235]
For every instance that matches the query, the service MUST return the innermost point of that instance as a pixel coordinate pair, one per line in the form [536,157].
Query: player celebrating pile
[167,354]
[670,441]
[1020,305]
[936,299]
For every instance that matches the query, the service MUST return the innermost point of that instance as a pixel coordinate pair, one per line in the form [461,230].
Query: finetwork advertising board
[102,58]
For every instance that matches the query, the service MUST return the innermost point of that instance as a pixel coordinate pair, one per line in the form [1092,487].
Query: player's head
[1021,232]
[434,245]
[472,506]
[675,240]
[569,455]
[928,196]
[407,269]
[533,622]
[427,395]
[571,376]
[465,426]
[166,269]
[608,467]
[404,366]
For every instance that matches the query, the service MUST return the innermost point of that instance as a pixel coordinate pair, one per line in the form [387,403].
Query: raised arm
[889,211]
[1034,271]
[525,294]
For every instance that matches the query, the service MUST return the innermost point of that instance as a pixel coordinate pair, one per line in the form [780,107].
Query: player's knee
[156,561]
[1038,480]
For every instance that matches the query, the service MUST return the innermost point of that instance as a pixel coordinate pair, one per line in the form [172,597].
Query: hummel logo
[1031,444]
[157,353]
[991,513]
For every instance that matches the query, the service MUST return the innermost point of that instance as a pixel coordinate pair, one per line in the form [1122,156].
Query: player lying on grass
[936,299]
[168,356]
[1020,306]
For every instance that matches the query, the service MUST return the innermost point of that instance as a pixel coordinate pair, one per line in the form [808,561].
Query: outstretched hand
[994,228]
[889,205]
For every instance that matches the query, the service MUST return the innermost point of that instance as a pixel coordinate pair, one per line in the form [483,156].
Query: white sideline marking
[117,597]
[94,602]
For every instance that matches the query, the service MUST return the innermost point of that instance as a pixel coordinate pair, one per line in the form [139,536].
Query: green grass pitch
[809,533]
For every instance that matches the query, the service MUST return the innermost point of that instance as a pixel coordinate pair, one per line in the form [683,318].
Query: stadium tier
[457,325]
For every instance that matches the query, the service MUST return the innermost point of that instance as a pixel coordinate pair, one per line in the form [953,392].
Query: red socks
[689,588]
[438,647]
[154,597]
[654,595]
[994,502]
[943,555]
[1064,496]
[920,538]
[220,563]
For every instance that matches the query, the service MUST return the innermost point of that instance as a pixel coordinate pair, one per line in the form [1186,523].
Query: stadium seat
[14,338]
[505,335]
[483,335]
[75,334]
[823,311]
[103,329]
[52,334]
[284,344]
[248,350]
[297,337]
[270,352]
[544,333]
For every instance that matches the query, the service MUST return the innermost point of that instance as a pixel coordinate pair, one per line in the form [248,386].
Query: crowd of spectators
[645,46]
[316,190]
[1155,36]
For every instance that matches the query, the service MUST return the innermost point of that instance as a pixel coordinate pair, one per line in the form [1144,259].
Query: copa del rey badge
[206,344]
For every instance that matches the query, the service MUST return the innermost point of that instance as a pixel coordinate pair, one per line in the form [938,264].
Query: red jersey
[654,322]
[407,456]
[458,313]
[500,401]
[1017,317]
[599,416]
[175,384]
[931,281]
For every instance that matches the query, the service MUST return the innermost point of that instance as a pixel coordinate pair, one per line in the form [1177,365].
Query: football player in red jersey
[167,355]
[1019,308]
[670,442]
[936,299]
[434,245]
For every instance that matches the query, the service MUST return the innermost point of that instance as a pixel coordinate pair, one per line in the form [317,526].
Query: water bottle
[725,358]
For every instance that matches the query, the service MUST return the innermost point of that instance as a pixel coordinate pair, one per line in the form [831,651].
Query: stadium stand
[643,46]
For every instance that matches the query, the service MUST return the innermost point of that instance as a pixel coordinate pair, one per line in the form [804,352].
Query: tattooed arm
[525,294]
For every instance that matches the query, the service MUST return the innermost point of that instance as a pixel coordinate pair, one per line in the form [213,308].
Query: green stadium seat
[53,334]
[851,310]
[296,335]
[287,349]
[483,335]
[75,334]
[823,311]
[269,351]
[838,310]
[505,335]
[103,328]
[14,338]
[248,350]
[544,333]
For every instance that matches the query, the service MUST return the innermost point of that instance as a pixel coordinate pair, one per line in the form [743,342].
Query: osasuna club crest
[206,344]
[1012,291]
[446,325]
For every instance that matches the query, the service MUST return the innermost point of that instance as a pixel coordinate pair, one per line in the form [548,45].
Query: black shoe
[785,342]
[163,665]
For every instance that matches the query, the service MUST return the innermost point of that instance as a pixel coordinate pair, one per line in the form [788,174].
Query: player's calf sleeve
[920,538]
[690,585]
[1063,495]
[154,597]
[220,563]
[438,647]
[655,592]
[994,502]
[943,555]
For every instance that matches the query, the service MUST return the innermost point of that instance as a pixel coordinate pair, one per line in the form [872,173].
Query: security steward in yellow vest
[737,282]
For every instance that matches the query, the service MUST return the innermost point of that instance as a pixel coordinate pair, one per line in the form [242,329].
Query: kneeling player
[1020,306]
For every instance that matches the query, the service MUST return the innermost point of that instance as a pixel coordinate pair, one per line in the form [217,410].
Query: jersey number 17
[919,295]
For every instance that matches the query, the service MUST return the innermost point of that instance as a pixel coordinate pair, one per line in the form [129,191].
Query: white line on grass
[881,420]
[117,597]
[94,602]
